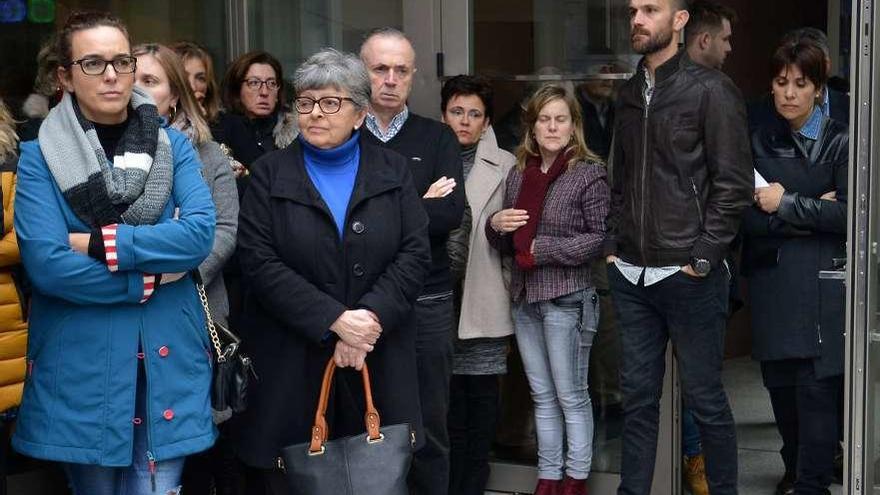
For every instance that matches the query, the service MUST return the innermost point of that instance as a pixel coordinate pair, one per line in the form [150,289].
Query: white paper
[760,181]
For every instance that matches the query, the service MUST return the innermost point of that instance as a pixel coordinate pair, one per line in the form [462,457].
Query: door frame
[863,291]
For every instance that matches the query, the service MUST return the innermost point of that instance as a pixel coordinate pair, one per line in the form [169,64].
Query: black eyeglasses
[328,104]
[92,66]
[257,84]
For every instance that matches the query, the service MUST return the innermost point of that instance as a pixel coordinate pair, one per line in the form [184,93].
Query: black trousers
[265,481]
[216,471]
[473,414]
[807,416]
[429,474]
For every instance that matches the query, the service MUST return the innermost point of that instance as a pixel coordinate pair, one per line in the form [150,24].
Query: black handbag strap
[320,431]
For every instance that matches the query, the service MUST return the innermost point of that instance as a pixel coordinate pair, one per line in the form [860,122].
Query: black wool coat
[300,276]
[794,313]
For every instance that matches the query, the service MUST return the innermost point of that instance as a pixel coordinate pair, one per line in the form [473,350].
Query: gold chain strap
[212,330]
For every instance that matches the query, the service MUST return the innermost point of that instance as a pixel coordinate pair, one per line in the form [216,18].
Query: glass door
[294,30]
[584,45]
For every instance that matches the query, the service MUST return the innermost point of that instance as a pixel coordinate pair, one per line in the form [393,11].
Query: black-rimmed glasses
[255,84]
[327,104]
[93,66]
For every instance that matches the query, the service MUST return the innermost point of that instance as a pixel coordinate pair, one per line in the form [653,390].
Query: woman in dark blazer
[797,228]
[334,245]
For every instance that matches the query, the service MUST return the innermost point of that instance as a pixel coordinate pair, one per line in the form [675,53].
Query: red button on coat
[168,414]
[163,351]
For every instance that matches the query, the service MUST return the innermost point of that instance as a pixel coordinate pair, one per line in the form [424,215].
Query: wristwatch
[701,266]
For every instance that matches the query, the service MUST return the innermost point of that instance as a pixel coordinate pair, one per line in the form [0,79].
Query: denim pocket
[590,311]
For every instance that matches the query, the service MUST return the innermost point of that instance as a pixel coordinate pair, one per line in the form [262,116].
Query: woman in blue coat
[111,214]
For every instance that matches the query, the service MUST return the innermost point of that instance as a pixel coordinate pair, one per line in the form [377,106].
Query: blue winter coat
[86,325]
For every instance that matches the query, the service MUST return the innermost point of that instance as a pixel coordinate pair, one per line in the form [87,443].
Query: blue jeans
[554,339]
[692,313]
[136,479]
[690,434]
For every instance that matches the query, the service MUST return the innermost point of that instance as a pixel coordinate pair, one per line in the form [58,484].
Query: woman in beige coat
[484,325]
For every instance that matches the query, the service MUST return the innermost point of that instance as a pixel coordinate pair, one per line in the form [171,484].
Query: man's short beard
[655,43]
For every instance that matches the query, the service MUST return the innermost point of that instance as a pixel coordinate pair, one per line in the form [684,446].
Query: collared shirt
[653,274]
[648,92]
[813,126]
[394,127]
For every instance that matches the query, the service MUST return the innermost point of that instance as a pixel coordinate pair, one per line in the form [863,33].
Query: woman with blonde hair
[160,72]
[200,74]
[553,224]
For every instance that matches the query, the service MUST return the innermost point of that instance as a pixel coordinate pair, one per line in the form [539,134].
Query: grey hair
[330,67]
[387,32]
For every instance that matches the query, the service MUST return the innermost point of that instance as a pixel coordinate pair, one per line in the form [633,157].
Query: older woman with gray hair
[334,249]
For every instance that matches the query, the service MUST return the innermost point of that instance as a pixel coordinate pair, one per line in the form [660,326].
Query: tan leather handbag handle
[319,430]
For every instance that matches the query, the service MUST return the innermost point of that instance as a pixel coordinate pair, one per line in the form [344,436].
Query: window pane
[163,21]
[294,30]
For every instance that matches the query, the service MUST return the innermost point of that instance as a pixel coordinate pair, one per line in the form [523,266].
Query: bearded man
[681,177]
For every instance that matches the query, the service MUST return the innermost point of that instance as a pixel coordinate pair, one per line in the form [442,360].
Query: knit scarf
[135,189]
[531,197]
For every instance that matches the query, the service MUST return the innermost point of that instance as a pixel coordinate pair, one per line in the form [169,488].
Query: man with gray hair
[433,153]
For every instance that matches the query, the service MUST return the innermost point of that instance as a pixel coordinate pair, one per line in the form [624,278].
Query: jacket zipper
[151,462]
[644,182]
[151,459]
[697,200]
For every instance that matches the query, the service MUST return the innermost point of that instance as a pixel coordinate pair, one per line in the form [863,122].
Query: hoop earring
[172,113]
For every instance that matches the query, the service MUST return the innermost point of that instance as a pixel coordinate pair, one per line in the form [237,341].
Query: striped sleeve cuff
[108,234]
[149,287]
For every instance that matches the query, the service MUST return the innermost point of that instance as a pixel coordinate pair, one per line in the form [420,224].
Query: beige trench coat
[485,304]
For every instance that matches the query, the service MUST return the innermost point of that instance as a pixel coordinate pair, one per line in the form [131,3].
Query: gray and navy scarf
[137,184]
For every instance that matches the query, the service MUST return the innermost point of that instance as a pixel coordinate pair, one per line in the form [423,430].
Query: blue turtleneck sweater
[333,172]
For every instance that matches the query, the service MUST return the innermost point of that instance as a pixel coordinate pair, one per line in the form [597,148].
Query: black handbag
[232,368]
[375,463]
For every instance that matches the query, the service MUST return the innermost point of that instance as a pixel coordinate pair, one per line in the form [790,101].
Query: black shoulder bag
[232,368]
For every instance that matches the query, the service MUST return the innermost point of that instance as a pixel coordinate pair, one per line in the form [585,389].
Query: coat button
[358,227]
[358,270]
[168,414]
[163,351]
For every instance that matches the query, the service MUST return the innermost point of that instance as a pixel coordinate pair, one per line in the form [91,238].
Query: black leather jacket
[798,315]
[805,174]
[682,169]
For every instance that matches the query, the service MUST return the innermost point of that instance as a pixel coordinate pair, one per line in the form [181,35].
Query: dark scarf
[138,184]
[531,197]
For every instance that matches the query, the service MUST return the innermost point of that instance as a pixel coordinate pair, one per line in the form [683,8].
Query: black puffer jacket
[794,313]
[682,171]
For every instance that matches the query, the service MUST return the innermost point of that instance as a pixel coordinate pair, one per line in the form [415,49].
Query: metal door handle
[832,274]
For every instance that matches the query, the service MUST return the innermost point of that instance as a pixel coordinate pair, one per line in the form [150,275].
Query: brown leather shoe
[695,475]
[548,487]
[572,486]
